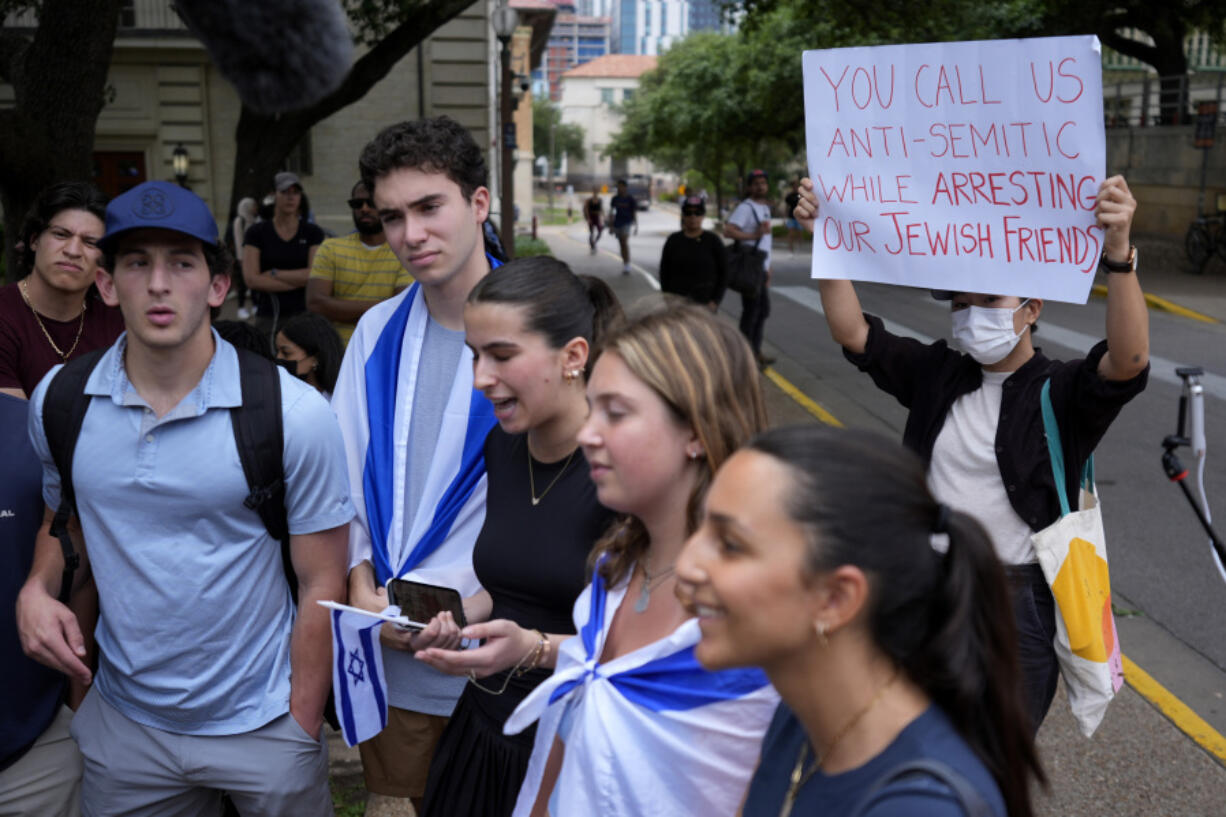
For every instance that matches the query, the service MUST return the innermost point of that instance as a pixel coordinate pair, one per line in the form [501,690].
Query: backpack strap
[259,438]
[64,408]
[972,802]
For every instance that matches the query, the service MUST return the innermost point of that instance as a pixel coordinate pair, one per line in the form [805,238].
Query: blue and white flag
[357,676]
[649,732]
[373,400]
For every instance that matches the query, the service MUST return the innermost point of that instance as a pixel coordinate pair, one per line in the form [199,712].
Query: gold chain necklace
[25,296]
[536,500]
[800,777]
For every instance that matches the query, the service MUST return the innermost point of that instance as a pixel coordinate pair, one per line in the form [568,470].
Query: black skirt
[477,771]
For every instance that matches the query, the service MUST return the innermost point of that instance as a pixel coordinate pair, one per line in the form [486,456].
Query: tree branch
[375,64]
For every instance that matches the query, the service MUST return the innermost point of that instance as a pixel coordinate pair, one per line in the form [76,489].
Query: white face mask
[986,333]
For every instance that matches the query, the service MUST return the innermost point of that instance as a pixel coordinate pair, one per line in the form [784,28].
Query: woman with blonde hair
[630,723]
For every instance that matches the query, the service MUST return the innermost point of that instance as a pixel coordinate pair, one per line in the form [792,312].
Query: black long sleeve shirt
[696,268]
[928,378]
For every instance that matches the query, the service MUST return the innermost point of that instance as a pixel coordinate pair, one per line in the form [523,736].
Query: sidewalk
[1171,284]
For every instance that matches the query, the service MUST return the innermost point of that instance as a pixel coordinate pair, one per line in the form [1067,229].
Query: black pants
[1034,611]
[754,311]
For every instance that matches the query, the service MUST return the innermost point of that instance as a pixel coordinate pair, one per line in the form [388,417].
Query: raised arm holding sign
[993,201]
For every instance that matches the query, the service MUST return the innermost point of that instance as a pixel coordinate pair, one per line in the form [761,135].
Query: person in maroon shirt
[54,314]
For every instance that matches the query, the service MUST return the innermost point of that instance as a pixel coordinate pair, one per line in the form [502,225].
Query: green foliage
[373,19]
[528,247]
[717,105]
[567,137]
[348,801]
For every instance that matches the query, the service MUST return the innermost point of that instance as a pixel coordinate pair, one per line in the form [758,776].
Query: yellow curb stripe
[803,399]
[1158,302]
[1176,710]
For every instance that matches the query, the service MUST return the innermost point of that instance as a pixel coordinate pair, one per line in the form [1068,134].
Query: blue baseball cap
[160,205]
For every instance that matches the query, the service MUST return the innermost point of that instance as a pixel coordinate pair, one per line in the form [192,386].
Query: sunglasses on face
[358,204]
[692,212]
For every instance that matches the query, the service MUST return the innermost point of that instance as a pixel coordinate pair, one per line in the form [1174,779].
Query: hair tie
[942,522]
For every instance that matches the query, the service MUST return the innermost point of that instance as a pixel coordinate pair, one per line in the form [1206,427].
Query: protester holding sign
[975,415]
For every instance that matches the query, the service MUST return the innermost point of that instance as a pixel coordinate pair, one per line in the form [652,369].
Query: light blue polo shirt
[196,614]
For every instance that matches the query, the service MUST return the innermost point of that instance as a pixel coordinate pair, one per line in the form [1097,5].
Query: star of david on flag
[357,676]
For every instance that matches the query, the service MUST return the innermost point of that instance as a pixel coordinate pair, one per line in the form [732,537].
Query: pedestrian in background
[789,217]
[309,348]
[277,256]
[750,224]
[245,216]
[625,210]
[694,262]
[815,560]
[592,214]
[53,314]
[352,273]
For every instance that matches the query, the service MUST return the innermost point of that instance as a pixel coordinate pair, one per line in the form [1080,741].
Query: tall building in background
[577,38]
[649,27]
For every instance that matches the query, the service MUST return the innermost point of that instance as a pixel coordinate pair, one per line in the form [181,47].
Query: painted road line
[1176,711]
[806,402]
[651,279]
[1158,302]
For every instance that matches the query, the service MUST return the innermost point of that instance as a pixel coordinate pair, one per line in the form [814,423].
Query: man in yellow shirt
[354,272]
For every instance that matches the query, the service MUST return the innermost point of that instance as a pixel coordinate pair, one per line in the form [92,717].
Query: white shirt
[742,218]
[964,473]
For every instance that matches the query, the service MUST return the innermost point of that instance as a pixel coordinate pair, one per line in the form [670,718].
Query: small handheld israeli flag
[357,673]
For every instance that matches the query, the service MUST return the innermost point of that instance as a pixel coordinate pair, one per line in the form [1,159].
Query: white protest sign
[964,166]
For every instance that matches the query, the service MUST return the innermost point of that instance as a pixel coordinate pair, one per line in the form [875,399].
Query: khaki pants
[46,780]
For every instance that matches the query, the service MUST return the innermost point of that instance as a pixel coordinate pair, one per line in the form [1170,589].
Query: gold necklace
[25,296]
[536,500]
[800,777]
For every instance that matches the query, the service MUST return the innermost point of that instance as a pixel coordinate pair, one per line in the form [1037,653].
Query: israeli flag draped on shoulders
[373,401]
[649,732]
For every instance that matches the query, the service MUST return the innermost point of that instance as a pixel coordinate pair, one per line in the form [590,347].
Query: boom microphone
[280,55]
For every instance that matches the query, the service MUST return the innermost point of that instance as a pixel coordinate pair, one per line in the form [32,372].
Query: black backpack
[257,434]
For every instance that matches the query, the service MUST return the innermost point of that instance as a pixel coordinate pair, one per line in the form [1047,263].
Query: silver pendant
[640,606]
[535,502]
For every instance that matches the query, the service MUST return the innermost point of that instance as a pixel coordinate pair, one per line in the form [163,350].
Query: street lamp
[178,162]
[505,20]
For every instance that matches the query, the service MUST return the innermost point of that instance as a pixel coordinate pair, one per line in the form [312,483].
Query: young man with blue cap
[207,681]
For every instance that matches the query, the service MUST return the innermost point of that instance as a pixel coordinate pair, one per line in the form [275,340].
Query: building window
[606,96]
[627,94]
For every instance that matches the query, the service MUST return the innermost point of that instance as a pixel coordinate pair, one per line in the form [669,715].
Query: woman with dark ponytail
[880,616]
[534,327]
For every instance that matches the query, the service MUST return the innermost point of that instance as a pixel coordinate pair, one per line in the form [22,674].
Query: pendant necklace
[536,500]
[650,583]
[801,777]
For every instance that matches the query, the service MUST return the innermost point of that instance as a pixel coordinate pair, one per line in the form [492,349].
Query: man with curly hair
[414,426]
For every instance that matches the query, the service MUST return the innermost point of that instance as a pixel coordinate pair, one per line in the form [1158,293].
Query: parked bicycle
[1206,235]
